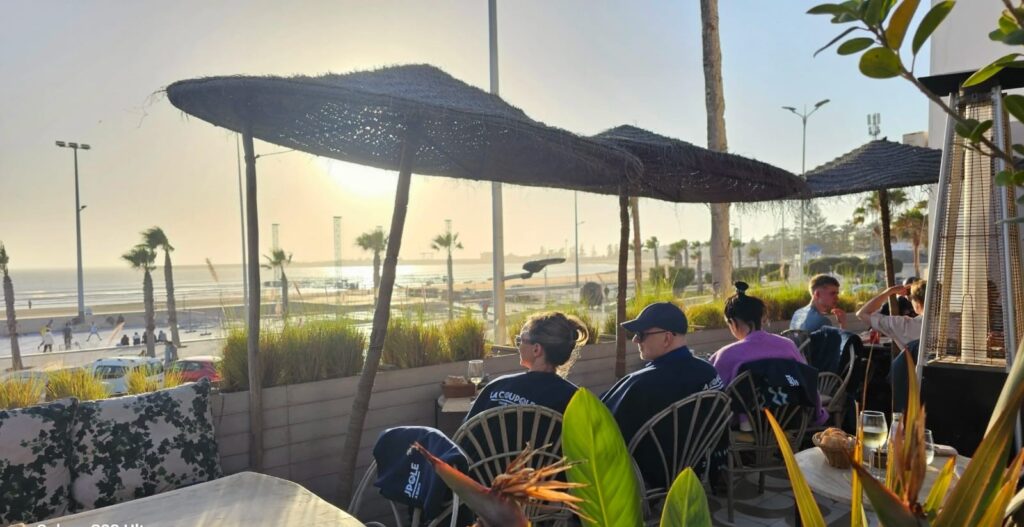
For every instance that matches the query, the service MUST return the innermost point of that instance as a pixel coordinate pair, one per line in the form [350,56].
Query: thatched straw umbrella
[680,172]
[406,118]
[879,165]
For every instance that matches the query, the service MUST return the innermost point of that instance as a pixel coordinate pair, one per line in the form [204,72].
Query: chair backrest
[493,438]
[403,516]
[682,435]
[801,339]
[749,400]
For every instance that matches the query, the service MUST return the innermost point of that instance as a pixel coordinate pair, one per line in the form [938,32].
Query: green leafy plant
[881,27]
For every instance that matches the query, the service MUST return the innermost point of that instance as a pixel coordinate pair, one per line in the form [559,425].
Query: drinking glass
[875,431]
[929,447]
[897,417]
[475,372]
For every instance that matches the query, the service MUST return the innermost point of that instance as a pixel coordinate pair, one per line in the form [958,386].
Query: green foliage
[849,265]
[411,343]
[590,433]
[21,392]
[514,325]
[141,380]
[781,302]
[75,382]
[686,503]
[464,338]
[636,304]
[707,316]
[295,354]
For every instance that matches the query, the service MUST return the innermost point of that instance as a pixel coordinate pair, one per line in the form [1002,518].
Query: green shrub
[141,380]
[464,338]
[593,331]
[21,392]
[411,343]
[75,382]
[782,302]
[636,304]
[514,325]
[295,354]
[707,316]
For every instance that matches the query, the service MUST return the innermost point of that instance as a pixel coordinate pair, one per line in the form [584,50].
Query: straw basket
[453,391]
[837,456]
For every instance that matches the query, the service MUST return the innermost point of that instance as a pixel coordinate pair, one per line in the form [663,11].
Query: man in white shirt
[901,329]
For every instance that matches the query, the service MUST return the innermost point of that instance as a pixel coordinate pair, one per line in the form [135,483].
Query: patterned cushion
[136,446]
[34,447]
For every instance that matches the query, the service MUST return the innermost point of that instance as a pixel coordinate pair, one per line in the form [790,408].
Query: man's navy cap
[664,315]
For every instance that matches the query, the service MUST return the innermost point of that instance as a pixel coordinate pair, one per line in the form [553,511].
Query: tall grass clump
[141,380]
[464,338]
[75,382]
[21,392]
[411,343]
[515,324]
[781,302]
[636,304]
[293,354]
[707,316]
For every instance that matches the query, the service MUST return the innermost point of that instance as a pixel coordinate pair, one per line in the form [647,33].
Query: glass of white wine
[475,372]
[929,447]
[875,431]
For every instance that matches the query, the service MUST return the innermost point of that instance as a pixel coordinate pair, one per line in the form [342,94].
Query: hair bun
[741,288]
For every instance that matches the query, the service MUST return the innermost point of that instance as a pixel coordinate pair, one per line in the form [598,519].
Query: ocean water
[114,285]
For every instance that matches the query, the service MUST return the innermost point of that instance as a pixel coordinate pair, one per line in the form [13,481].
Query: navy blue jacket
[529,387]
[404,476]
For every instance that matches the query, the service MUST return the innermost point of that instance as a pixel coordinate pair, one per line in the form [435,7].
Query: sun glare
[359,180]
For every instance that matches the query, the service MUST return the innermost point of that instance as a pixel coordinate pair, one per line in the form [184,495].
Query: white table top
[835,484]
[457,405]
[246,498]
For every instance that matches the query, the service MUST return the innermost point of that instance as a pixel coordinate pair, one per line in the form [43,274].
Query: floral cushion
[136,446]
[34,448]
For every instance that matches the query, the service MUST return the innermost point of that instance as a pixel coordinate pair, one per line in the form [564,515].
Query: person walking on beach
[93,330]
[67,335]
[47,343]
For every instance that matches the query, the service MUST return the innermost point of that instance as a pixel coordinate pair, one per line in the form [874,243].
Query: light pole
[803,170]
[78,224]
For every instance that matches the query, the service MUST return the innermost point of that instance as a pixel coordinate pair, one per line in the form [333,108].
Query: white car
[112,371]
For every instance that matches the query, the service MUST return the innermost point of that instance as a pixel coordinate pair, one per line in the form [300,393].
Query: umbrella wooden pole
[638,265]
[620,301]
[381,315]
[886,221]
[252,221]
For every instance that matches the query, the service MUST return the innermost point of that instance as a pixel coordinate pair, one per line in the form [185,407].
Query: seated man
[903,304]
[672,374]
[824,300]
[901,329]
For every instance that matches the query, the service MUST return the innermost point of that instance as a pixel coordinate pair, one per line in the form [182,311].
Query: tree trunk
[451,287]
[758,269]
[890,274]
[284,295]
[686,256]
[149,302]
[252,228]
[917,256]
[700,271]
[620,301]
[12,323]
[172,306]
[376,275]
[714,101]
[638,266]
[381,315]
[739,257]
[656,266]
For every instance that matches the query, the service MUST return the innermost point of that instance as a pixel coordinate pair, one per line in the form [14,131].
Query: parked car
[195,369]
[113,370]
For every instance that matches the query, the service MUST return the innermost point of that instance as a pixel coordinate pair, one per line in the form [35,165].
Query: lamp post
[75,147]
[803,170]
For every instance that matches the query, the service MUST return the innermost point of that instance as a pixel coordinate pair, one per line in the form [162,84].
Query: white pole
[497,215]
[241,214]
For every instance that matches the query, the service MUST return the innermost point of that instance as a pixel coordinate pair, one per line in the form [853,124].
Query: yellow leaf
[857,518]
[939,489]
[995,511]
[810,515]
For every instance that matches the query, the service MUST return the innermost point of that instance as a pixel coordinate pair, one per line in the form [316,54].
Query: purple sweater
[757,345]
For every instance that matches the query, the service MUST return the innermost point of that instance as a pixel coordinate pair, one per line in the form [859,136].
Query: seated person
[124,340]
[672,374]
[824,300]
[904,331]
[547,349]
[904,306]
[744,315]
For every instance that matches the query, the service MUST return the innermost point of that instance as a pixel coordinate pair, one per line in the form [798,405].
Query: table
[246,498]
[454,405]
[835,484]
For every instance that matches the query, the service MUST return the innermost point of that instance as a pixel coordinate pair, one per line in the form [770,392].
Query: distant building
[916,139]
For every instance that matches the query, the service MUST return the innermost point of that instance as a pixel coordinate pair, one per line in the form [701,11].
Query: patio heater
[972,321]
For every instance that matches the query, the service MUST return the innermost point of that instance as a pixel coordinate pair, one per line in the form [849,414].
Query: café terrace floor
[774,508]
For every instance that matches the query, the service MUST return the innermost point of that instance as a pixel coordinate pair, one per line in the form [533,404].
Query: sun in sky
[363,182]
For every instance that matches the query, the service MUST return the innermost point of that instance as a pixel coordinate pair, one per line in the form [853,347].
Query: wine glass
[475,372]
[894,429]
[929,447]
[875,431]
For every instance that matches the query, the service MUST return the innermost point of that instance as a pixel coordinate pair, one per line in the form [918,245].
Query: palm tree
[714,102]
[698,257]
[448,241]
[376,242]
[154,238]
[869,211]
[676,250]
[277,259]
[738,244]
[142,257]
[755,252]
[12,321]
[652,245]
[912,225]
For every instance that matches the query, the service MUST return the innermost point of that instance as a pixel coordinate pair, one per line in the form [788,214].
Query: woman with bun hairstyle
[745,314]
[548,346]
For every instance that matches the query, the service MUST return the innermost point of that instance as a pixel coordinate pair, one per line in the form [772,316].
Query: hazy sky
[92,71]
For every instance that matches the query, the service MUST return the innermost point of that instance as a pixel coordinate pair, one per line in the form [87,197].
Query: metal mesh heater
[974,277]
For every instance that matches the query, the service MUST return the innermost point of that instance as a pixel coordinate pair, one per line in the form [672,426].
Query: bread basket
[837,453]
[454,391]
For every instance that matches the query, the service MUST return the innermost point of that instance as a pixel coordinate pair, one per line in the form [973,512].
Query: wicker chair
[802,339]
[756,450]
[493,438]
[399,510]
[683,435]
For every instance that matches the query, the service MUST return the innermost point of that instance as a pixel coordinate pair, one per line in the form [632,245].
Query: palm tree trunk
[376,275]
[381,315]
[451,286]
[917,255]
[620,301]
[252,340]
[172,308]
[714,101]
[12,323]
[284,295]
[656,266]
[890,274]
[686,256]
[149,302]
[638,266]
[700,271]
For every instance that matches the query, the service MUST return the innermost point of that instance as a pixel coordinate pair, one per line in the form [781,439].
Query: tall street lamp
[78,224]
[803,168]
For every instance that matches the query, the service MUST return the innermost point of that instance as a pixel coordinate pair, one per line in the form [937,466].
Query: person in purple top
[744,314]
